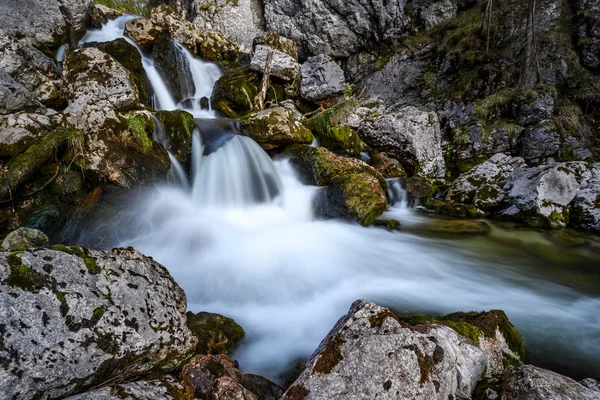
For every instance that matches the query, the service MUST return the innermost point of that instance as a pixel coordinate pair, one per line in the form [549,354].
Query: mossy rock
[128,56]
[389,224]
[455,210]
[421,189]
[237,89]
[274,128]
[216,47]
[331,129]
[24,238]
[354,196]
[216,334]
[387,166]
[179,126]
[455,226]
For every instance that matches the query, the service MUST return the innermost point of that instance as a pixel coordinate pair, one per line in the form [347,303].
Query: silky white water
[238,234]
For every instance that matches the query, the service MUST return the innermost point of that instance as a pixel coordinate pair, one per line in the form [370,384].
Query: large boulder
[216,334]
[239,20]
[333,131]
[282,65]
[280,43]
[24,238]
[93,316]
[410,135]
[14,96]
[529,382]
[370,354]
[584,210]
[166,388]
[274,128]
[322,79]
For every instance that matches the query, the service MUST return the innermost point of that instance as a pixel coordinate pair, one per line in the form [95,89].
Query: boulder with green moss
[216,47]
[216,334]
[275,128]
[94,316]
[236,91]
[387,166]
[142,31]
[24,238]
[282,65]
[178,128]
[332,130]
[277,42]
[128,56]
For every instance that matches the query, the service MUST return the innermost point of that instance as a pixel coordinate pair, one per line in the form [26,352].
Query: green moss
[216,334]
[297,392]
[81,252]
[426,365]
[25,277]
[465,329]
[389,224]
[61,297]
[508,360]
[237,89]
[337,115]
[139,124]
[330,356]
[377,320]
[98,313]
[415,319]
[453,209]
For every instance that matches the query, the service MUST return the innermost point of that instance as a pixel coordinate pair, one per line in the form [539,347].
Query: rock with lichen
[24,238]
[275,128]
[370,354]
[216,334]
[165,388]
[93,316]
[282,65]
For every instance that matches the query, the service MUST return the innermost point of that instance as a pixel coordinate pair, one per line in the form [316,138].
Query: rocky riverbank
[114,324]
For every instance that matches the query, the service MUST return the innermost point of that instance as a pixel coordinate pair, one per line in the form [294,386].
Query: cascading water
[241,239]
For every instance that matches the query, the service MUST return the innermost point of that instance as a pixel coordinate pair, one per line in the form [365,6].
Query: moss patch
[330,356]
[216,334]
[81,252]
[297,392]
[377,320]
[25,277]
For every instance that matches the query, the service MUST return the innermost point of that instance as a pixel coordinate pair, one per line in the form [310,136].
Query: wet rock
[282,65]
[239,21]
[387,166]
[216,334]
[173,67]
[584,210]
[457,226]
[332,130]
[13,96]
[236,91]
[201,372]
[370,354]
[451,209]
[483,186]
[94,316]
[166,388]
[167,21]
[410,135]
[262,387]
[216,47]
[529,382]
[76,13]
[322,79]
[275,128]
[279,43]
[100,14]
[128,56]
[178,127]
[96,86]
[24,238]
[142,31]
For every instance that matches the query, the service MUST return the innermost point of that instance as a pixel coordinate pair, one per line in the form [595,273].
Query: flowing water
[238,234]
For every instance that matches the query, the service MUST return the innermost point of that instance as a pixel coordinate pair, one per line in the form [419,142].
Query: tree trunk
[527,70]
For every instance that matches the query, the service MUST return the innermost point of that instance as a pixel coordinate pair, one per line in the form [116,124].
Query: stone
[458,226]
[280,43]
[539,143]
[275,128]
[15,140]
[167,21]
[411,136]
[100,14]
[173,66]
[178,127]
[591,383]
[333,131]
[228,389]
[370,354]
[282,65]
[201,372]
[76,13]
[166,388]
[529,382]
[584,209]
[534,113]
[94,316]
[322,79]
[216,47]
[24,238]
[216,334]
[142,31]
[13,96]
[387,166]
[262,387]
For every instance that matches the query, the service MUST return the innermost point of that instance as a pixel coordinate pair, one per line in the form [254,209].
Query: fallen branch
[259,100]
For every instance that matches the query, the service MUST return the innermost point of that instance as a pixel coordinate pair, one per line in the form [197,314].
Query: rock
[386,166]
[100,15]
[239,21]
[167,21]
[411,136]
[584,209]
[216,334]
[275,128]
[92,315]
[178,127]
[540,196]
[15,140]
[228,389]
[24,238]
[174,68]
[458,226]
[32,69]
[216,47]
[13,96]
[76,13]
[539,142]
[166,388]
[331,128]
[322,79]
[128,56]
[236,91]
[282,65]
[534,113]
[201,372]
[262,387]
[483,185]
[591,383]
[96,86]
[529,382]
[455,210]
[370,354]
[342,29]
[280,43]
[142,31]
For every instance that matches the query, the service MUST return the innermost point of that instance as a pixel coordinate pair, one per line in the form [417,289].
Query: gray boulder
[410,135]
[166,388]
[536,112]
[14,96]
[282,66]
[528,382]
[74,318]
[20,130]
[370,354]
[539,142]
[322,79]
[584,210]
[24,238]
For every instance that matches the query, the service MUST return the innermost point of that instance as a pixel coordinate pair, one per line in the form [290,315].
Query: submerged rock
[91,315]
[529,382]
[24,238]
[457,226]
[275,128]
[216,334]
[410,135]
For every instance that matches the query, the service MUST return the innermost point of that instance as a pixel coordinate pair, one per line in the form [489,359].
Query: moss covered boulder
[387,166]
[216,334]
[178,127]
[331,128]
[216,47]
[104,316]
[24,238]
[236,91]
[275,128]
